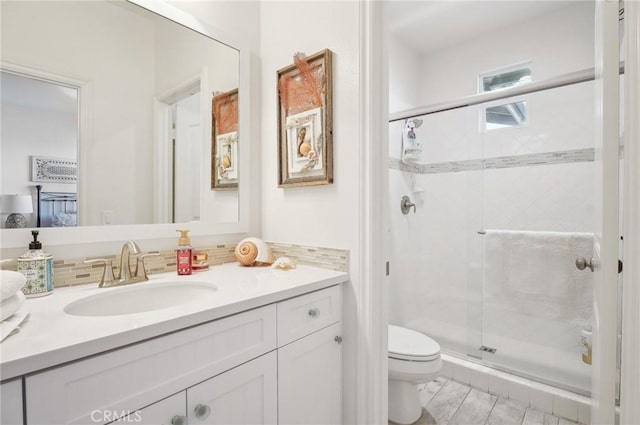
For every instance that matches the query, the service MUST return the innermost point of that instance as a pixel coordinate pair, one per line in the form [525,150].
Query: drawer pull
[314,312]
[179,420]
[202,411]
[338,339]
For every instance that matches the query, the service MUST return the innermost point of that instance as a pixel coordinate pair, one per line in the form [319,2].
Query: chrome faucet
[125,275]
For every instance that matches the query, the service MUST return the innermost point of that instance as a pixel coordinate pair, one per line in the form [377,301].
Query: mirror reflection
[107,118]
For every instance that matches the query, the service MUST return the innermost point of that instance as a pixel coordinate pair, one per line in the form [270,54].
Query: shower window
[505,115]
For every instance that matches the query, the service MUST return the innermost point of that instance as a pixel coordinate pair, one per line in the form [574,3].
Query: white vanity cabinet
[244,395]
[139,375]
[310,364]
[11,406]
[310,379]
[169,411]
[280,363]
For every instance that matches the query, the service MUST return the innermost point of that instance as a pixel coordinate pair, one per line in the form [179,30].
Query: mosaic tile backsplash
[68,272]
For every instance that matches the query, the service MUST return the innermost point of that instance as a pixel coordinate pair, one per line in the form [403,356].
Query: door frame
[163,160]
[630,367]
[606,224]
[83,133]
[372,311]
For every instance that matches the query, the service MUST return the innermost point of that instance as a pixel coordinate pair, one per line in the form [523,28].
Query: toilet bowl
[414,359]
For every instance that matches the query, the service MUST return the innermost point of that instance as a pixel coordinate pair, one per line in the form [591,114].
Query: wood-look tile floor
[447,402]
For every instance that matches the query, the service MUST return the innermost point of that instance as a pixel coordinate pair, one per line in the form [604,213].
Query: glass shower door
[537,216]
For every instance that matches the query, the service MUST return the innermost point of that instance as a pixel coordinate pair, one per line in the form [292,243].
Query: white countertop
[51,337]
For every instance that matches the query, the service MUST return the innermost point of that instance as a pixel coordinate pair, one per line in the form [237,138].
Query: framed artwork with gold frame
[305,121]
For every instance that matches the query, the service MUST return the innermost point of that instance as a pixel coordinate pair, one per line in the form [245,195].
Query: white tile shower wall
[435,246]
[429,270]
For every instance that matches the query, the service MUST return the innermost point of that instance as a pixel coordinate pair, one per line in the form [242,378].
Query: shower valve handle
[406,205]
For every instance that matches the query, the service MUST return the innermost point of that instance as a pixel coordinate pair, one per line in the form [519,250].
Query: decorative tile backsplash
[68,272]
[545,158]
[326,258]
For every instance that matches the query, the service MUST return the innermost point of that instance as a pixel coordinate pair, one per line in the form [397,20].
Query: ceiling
[32,93]
[426,26]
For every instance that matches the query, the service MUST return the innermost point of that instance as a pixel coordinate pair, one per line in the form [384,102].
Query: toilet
[414,359]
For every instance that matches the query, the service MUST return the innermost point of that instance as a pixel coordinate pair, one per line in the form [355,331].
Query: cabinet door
[244,395]
[170,411]
[310,379]
[11,402]
[143,373]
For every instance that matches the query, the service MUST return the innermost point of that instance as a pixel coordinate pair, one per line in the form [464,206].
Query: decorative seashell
[305,148]
[253,252]
[283,263]
[226,162]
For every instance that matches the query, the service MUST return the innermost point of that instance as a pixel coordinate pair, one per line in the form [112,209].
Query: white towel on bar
[10,283]
[534,273]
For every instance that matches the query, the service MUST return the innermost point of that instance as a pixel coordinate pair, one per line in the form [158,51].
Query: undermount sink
[140,299]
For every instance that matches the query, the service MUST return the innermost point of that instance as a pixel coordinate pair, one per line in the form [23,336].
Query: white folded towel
[10,283]
[11,305]
[534,273]
[11,325]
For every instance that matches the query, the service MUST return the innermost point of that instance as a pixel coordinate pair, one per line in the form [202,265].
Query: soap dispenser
[37,266]
[183,253]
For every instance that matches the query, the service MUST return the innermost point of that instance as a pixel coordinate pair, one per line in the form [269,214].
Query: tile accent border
[545,158]
[73,271]
[326,258]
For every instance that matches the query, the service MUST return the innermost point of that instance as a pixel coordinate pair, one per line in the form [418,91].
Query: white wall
[405,71]
[322,215]
[555,43]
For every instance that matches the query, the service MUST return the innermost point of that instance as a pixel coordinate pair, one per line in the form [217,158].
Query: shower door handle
[582,263]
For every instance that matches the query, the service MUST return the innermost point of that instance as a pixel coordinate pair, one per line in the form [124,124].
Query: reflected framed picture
[224,143]
[226,160]
[305,142]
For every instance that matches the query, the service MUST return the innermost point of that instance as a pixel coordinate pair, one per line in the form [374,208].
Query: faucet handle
[140,262]
[107,271]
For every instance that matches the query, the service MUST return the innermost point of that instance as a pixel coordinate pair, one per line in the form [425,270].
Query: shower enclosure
[505,206]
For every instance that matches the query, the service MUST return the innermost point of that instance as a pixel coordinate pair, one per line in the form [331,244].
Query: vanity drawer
[138,375]
[308,313]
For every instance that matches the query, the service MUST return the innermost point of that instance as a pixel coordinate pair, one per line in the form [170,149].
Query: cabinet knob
[202,411]
[338,339]
[314,312]
[179,420]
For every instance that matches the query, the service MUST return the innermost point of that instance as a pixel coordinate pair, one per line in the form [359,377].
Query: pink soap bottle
[183,253]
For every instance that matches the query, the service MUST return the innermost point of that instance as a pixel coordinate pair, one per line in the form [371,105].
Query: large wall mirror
[108,120]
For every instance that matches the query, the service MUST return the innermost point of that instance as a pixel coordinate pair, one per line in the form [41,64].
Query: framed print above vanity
[305,121]
[125,89]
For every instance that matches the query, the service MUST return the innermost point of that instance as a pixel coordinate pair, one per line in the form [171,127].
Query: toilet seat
[409,345]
